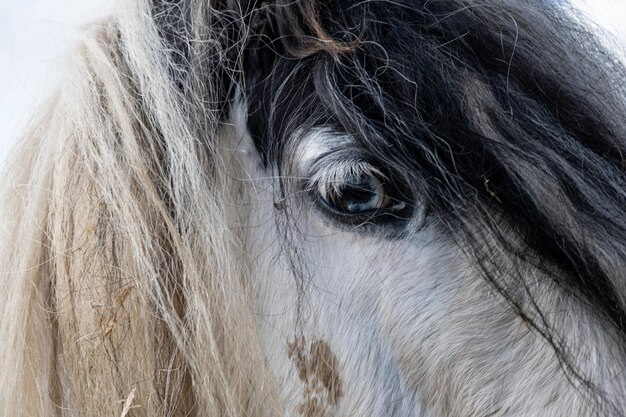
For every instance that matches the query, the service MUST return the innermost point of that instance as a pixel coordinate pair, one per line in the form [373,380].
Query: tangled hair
[121,271]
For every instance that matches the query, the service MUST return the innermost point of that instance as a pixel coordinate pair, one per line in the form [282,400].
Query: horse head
[322,208]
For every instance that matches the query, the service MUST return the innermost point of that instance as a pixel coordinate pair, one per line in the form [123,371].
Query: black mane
[418,81]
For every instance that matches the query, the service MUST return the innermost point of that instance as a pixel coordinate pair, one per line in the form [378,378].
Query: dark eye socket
[363,198]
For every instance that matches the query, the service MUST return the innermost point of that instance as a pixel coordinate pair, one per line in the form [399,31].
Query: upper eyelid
[338,171]
[328,156]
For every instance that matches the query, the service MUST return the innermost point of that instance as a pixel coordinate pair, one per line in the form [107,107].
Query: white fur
[415,329]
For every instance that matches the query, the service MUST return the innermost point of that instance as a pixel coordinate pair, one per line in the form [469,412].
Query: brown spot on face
[318,369]
[326,368]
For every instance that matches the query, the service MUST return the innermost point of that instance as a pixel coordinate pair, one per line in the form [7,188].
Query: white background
[35,35]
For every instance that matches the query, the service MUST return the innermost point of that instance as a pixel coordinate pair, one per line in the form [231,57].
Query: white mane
[95,268]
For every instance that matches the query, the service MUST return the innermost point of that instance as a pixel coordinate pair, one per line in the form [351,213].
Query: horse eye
[358,195]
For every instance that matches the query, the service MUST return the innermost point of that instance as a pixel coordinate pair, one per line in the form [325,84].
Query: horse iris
[358,195]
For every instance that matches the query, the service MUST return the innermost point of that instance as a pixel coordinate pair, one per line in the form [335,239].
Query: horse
[321,208]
